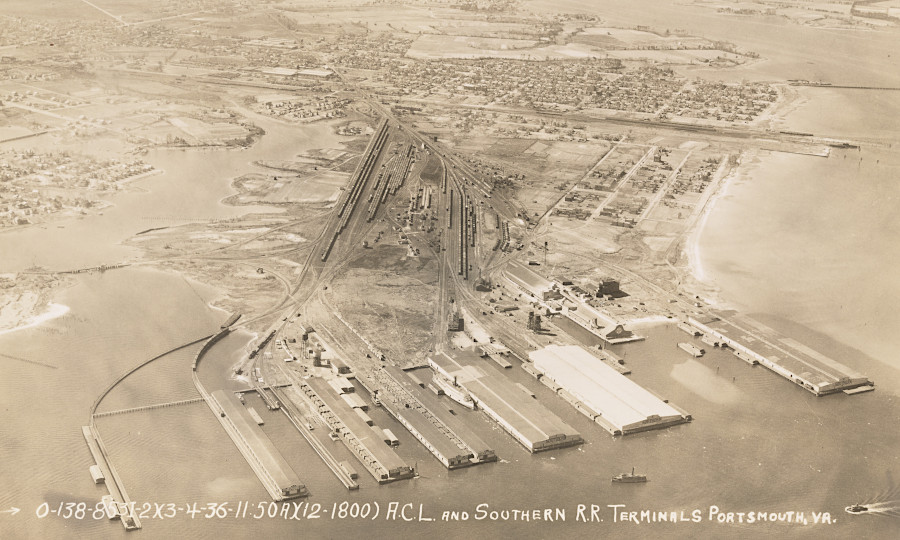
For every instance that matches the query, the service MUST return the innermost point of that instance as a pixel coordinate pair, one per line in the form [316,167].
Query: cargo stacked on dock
[382,462]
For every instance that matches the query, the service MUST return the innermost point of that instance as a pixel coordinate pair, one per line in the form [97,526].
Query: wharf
[523,417]
[600,324]
[255,415]
[692,349]
[261,387]
[859,390]
[608,398]
[614,361]
[422,413]
[266,461]
[756,343]
[500,361]
[688,329]
[444,435]
[124,506]
[271,402]
[380,460]
[297,418]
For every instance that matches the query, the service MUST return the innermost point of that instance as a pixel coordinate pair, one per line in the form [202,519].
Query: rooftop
[523,417]
[522,275]
[619,400]
[269,456]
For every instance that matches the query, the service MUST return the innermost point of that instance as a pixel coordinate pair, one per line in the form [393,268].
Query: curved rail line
[137,367]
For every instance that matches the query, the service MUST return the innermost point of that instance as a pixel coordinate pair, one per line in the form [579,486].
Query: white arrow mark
[12,511]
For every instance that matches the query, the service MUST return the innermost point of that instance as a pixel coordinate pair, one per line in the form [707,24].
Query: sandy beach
[25,300]
[20,315]
[695,281]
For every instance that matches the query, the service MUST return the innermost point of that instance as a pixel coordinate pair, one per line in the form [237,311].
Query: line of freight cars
[390,181]
[349,204]
[380,186]
[450,210]
[502,242]
[464,238]
[262,344]
[398,179]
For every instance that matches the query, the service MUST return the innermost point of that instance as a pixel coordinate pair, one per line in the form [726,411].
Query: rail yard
[323,368]
[464,231]
[444,257]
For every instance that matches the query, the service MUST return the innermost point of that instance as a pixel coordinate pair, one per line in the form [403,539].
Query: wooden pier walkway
[149,407]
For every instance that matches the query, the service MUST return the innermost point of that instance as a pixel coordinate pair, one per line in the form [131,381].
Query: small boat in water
[629,478]
[856,509]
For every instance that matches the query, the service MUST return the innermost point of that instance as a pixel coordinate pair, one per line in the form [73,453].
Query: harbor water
[814,241]
[805,244]
[785,448]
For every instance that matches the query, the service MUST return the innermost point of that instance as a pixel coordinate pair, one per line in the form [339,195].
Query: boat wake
[891,508]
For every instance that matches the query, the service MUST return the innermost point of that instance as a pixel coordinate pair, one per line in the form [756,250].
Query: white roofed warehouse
[615,402]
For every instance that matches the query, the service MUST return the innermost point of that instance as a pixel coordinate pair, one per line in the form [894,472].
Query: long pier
[454,446]
[149,407]
[326,456]
[114,485]
[381,462]
[756,343]
[124,506]
[529,422]
[101,268]
[272,402]
[843,86]
[447,438]
[270,467]
[258,388]
[253,444]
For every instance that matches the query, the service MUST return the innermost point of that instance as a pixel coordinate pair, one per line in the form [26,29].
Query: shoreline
[697,282]
[54,311]
[694,279]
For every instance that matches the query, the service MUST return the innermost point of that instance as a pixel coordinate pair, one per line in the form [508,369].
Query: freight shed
[271,467]
[436,427]
[527,281]
[523,417]
[384,464]
[355,401]
[617,403]
[756,343]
